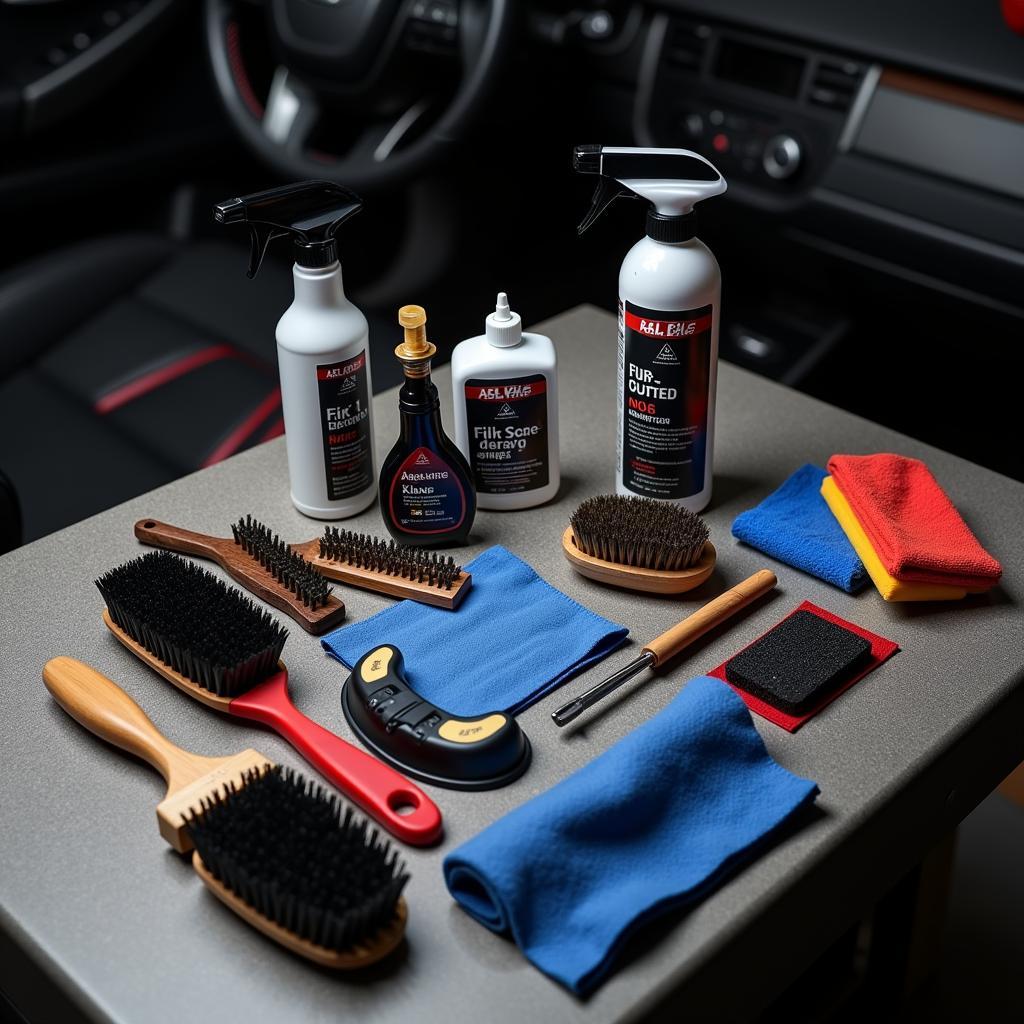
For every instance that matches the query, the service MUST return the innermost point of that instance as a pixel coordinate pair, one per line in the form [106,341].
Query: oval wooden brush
[214,644]
[639,544]
[249,823]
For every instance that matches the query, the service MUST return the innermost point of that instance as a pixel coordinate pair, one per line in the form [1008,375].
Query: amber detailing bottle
[426,489]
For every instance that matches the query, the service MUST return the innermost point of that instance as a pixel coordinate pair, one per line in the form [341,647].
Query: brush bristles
[210,633]
[292,571]
[639,532]
[293,852]
[362,551]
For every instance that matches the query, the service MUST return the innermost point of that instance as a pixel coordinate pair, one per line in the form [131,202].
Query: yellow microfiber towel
[888,586]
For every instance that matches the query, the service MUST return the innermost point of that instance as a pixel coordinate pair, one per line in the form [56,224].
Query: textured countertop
[92,900]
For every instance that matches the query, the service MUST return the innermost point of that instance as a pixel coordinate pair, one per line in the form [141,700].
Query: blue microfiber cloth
[652,825]
[796,526]
[512,640]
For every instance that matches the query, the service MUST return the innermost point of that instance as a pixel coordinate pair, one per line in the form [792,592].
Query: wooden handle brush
[257,560]
[249,822]
[295,577]
[672,641]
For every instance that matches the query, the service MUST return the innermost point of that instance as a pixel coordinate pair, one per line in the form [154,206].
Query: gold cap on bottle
[415,348]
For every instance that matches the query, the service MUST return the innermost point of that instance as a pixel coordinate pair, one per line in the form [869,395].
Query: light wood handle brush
[673,640]
[99,704]
[253,821]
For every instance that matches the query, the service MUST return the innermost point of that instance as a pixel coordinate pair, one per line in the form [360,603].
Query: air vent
[834,84]
[686,45]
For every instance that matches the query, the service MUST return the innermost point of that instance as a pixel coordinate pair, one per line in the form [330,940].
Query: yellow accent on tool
[375,666]
[471,732]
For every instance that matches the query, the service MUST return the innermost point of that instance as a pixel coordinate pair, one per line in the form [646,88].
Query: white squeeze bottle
[505,392]
[323,349]
[669,299]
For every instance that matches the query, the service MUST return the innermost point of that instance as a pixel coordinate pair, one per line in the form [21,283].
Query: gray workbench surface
[91,894]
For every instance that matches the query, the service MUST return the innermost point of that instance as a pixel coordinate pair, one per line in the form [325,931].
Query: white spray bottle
[323,349]
[669,294]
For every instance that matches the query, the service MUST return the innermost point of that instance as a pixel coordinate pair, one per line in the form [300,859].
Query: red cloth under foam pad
[915,529]
[881,650]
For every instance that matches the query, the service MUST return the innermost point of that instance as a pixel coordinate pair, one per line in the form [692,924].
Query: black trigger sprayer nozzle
[309,211]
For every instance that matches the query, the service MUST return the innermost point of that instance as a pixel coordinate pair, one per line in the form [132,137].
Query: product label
[345,423]
[426,495]
[507,428]
[664,388]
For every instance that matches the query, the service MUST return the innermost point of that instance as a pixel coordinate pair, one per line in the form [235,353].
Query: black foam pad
[798,662]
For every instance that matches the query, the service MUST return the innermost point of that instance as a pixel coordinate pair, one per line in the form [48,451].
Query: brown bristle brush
[639,543]
[283,853]
[295,577]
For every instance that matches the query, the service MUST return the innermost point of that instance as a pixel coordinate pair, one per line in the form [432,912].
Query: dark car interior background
[871,241]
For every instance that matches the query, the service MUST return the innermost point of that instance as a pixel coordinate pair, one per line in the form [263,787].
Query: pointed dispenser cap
[415,348]
[504,327]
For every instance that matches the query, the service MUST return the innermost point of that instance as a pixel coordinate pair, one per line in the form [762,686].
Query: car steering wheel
[365,62]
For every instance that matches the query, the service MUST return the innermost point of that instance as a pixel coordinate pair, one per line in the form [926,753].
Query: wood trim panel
[950,92]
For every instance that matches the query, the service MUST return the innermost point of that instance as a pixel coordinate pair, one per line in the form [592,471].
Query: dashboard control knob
[781,157]
[597,26]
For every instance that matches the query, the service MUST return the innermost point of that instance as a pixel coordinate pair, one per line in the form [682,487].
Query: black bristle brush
[282,852]
[639,543]
[257,559]
[216,645]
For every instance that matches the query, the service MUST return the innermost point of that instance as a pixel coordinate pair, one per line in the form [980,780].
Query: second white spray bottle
[669,295]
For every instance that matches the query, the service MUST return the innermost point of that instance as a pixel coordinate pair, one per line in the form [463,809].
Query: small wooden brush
[250,824]
[387,568]
[639,543]
[257,559]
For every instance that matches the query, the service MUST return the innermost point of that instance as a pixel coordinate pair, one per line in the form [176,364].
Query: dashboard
[886,133]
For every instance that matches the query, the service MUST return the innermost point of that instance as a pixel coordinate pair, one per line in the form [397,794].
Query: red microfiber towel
[881,650]
[912,525]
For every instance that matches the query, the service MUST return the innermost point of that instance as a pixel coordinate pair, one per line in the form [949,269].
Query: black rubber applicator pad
[795,664]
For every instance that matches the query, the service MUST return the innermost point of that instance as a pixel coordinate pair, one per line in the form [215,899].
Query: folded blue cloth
[653,824]
[512,640]
[796,526]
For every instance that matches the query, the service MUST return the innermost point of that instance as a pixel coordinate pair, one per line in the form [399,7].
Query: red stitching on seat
[157,378]
[244,430]
[238,72]
[276,429]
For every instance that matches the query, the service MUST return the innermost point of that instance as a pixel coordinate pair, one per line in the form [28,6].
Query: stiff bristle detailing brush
[639,543]
[672,641]
[99,704]
[385,567]
[289,858]
[289,569]
[283,853]
[212,643]
[257,559]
